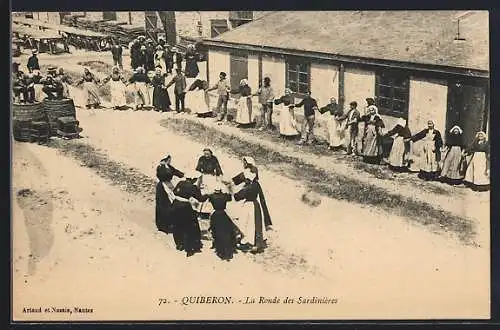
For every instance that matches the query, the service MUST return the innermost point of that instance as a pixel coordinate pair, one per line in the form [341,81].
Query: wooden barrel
[56,109]
[27,111]
[21,130]
[59,108]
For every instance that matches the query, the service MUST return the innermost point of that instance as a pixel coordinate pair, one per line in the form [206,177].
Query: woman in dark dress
[211,172]
[451,172]
[164,194]
[164,200]
[186,228]
[251,218]
[221,226]
[191,70]
[161,99]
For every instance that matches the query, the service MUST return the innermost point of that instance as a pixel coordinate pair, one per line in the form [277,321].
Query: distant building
[192,24]
[417,64]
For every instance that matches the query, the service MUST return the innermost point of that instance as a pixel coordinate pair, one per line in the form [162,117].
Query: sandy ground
[78,241]
[105,253]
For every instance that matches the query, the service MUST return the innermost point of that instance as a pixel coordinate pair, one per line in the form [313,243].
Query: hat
[174,49]
[243,82]
[218,187]
[192,174]
[401,122]
[222,74]
[456,127]
[288,91]
[249,160]
[159,47]
[34,51]
[143,47]
[167,157]
[208,149]
[370,100]
[51,68]
[333,100]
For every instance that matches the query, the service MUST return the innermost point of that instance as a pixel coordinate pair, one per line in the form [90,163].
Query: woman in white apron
[477,176]
[90,81]
[398,157]
[287,122]
[198,99]
[244,115]
[251,222]
[141,80]
[160,57]
[431,151]
[117,89]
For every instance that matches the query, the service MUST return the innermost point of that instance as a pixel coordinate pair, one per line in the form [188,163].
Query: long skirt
[336,132]
[371,146]
[288,124]
[207,184]
[191,70]
[39,94]
[244,111]
[223,233]
[251,224]
[452,163]
[199,102]
[92,93]
[397,157]
[161,99]
[164,210]
[118,96]
[186,228]
[142,97]
[66,91]
[429,164]
[476,171]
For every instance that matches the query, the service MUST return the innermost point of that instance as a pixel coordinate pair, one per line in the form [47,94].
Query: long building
[419,65]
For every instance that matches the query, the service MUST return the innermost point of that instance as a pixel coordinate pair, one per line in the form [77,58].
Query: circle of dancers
[205,192]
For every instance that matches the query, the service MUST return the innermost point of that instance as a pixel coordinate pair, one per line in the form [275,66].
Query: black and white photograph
[250,165]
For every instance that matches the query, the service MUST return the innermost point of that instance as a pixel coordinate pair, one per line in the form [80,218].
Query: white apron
[246,223]
[475,173]
[199,101]
[244,110]
[118,97]
[142,89]
[428,162]
[287,122]
[336,131]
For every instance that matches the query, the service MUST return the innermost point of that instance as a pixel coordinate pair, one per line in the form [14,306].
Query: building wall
[274,68]
[324,83]
[218,61]
[358,85]
[253,71]
[428,101]
[137,17]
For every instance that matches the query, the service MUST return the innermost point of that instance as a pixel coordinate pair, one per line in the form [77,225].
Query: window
[392,90]
[297,75]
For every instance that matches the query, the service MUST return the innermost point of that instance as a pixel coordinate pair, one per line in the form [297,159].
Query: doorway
[468,107]
[238,68]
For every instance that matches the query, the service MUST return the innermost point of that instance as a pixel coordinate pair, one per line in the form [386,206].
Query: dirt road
[100,249]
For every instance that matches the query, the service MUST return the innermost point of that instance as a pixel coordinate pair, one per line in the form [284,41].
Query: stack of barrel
[30,123]
[61,115]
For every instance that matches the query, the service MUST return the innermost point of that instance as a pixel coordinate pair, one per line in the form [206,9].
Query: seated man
[52,88]
[23,84]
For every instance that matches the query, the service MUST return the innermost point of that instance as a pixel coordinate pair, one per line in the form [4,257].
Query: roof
[35,33]
[423,37]
[57,28]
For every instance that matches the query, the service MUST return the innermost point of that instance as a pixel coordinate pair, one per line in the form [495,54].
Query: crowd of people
[453,162]
[205,191]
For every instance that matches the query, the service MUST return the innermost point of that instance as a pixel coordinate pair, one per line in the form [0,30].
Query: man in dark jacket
[179,90]
[117,52]
[33,62]
[310,105]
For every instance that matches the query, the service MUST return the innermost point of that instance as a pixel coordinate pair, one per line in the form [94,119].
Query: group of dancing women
[182,199]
